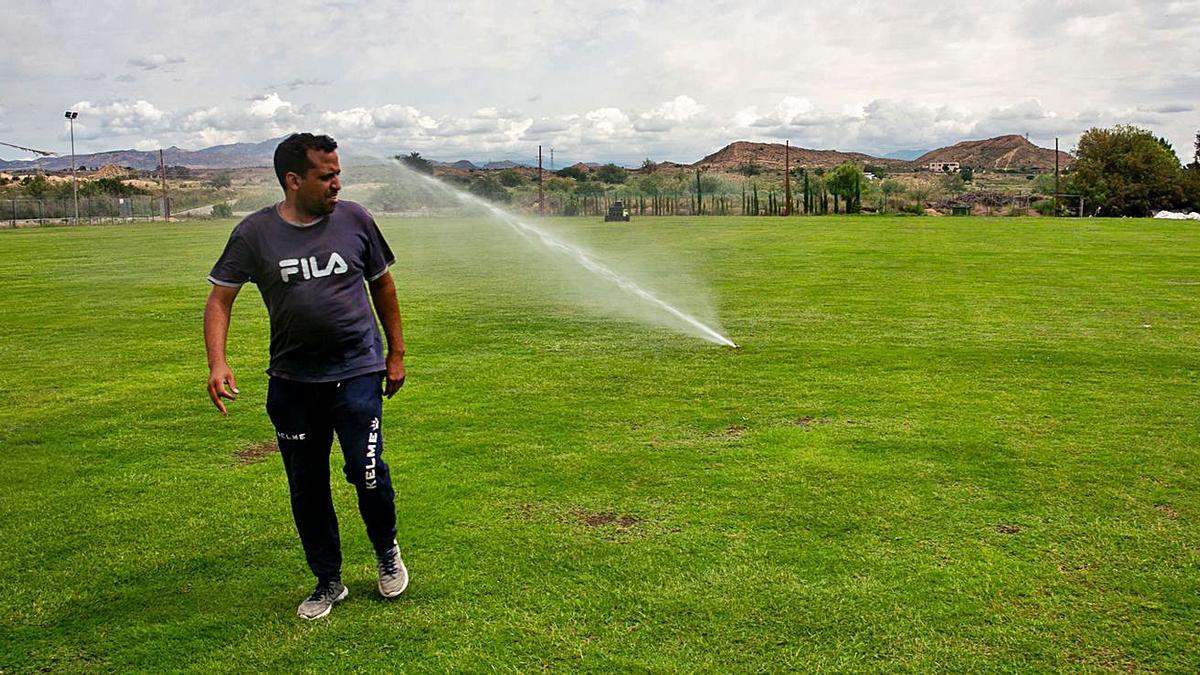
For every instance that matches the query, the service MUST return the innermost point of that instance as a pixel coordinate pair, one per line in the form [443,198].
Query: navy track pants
[306,415]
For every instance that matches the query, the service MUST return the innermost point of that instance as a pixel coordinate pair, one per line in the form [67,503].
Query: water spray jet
[547,240]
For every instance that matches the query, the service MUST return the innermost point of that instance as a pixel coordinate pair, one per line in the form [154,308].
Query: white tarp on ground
[1174,215]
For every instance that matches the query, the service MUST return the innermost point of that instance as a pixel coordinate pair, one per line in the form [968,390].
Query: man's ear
[292,180]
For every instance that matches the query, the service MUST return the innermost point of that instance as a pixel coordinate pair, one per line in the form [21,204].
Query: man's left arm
[387,308]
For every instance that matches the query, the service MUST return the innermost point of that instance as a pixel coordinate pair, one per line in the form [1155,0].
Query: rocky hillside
[1003,152]
[770,156]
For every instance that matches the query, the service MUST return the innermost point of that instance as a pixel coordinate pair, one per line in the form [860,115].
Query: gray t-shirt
[311,279]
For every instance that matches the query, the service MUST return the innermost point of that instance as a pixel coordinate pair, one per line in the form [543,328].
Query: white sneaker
[393,575]
[321,601]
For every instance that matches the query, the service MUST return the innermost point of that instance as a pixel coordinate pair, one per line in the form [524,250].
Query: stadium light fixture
[71,115]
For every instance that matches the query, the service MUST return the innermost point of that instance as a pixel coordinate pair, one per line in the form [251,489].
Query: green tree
[890,188]
[222,210]
[711,185]
[921,192]
[557,184]
[846,182]
[114,186]
[416,162]
[1043,184]
[1191,186]
[648,165]
[652,184]
[220,180]
[37,187]
[1126,171]
[1191,179]
[611,173]
[967,174]
[510,178]
[572,172]
[491,189]
[589,189]
[952,183]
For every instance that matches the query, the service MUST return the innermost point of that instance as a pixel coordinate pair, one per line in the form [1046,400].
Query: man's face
[317,189]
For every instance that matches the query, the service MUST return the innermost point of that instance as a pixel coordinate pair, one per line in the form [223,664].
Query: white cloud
[269,106]
[626,78]
[669,115]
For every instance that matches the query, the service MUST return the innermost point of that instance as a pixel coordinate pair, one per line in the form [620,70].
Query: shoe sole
[402,588]
[341,596]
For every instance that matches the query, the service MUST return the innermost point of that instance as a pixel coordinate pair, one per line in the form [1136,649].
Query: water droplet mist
[550,243]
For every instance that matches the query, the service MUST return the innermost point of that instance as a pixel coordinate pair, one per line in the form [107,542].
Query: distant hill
[234,155]
[771,156]
[907,155]
[1002,152]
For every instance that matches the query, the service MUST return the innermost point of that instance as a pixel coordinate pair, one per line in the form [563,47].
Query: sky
[622,80]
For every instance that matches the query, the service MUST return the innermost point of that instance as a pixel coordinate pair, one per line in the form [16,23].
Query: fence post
[14,212]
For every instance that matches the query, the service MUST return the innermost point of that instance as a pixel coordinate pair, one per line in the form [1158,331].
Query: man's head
[308,171]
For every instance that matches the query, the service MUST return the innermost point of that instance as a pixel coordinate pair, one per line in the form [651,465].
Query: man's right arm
[221,383]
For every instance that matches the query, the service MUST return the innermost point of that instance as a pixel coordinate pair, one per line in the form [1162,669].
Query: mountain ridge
[1001,152]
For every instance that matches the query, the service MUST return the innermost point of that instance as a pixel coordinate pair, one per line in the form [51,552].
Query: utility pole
[541,195]
[162,176]
[71,115]
[552,159]
[1056,190]
[787,178]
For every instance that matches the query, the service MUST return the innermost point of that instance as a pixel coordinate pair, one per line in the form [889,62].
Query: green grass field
[954,444]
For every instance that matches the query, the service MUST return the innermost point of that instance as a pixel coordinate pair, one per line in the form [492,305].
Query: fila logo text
[308,267]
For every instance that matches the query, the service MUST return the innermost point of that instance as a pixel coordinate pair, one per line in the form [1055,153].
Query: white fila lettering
[309,267]
[288,268]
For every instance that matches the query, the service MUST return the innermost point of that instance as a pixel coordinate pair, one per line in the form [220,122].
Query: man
[313,258]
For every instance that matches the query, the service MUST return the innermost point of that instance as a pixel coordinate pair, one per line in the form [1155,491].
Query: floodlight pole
[787,179]
[162,173]
[71,115]
[1056,189]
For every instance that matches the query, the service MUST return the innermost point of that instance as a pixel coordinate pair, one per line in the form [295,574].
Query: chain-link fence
[25,211]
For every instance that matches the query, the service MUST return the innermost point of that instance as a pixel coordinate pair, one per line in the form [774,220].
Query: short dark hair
[291,156]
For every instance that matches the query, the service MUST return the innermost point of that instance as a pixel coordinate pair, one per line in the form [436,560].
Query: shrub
[510,178]
[571,172]
[611,173]
[489,188]
[222,210]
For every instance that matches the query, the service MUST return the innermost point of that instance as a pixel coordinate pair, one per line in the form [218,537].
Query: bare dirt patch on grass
[1008,528]
[1167,511]
[808,421]
[577,516]
[254,452]
[593,519]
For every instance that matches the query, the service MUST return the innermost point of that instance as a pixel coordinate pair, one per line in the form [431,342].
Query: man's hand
[221,384]
[395,373]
